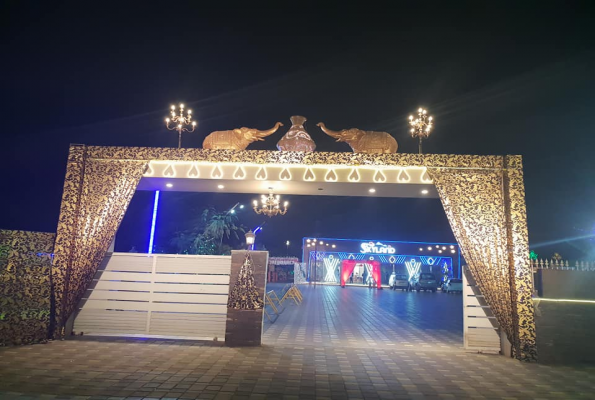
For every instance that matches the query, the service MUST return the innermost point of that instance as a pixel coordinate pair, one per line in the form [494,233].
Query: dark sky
[500,77]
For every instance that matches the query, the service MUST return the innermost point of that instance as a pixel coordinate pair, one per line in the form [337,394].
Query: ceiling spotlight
[327,244]
[321,242]
[334,246]
[437,246]
[429,248]
[308,240]
[452,251]
[425,191]
[439,251]
[443,247]
[372,190]
[220,186]
[421,249]
[169,185]
[241,206]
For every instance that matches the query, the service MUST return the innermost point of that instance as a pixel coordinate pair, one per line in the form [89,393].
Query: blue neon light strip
[153,220]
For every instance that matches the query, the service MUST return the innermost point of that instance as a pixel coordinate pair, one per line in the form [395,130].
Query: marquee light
[193,173]
[377,248]
[217,173]
[240,173]
[425,178]
[261,175]
[153,222]
[309,175]
[354,176]
[330,264]
[412,267]
[169,172]
[379,177]
[330,176]
[403,176]
[285,175]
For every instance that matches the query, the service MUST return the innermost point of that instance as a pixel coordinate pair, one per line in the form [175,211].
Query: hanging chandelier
[270,205]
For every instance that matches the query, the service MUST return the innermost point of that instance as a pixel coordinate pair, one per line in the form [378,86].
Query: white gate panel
[481,329]
[174,296]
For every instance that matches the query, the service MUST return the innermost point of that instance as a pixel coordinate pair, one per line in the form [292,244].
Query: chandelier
[270,205]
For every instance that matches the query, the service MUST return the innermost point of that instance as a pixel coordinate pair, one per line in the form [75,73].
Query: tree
[207,232]
[221,224]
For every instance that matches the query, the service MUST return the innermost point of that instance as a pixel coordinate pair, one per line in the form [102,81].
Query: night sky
[500,78]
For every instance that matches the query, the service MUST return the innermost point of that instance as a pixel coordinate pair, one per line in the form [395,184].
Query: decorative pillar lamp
[180,122]
[421,127]
[250,236]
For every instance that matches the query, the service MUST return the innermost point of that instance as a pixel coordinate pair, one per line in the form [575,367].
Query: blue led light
[153,220]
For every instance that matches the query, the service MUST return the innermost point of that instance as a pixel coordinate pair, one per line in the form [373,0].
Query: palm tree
[221,224]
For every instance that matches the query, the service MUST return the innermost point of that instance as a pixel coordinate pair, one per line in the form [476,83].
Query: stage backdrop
[25,286]
[247,286]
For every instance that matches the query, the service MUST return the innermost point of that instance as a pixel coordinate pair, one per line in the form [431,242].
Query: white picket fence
[563,264]
[172,296]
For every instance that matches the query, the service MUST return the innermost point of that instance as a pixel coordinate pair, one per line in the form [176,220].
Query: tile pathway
[332,353]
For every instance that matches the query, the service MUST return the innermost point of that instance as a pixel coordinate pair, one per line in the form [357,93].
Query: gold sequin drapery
[97,193]
[486,211]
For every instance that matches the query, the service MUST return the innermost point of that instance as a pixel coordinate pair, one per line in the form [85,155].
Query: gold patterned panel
[522,274]
[90,216]
[476,206]
[293,157]
[25,265]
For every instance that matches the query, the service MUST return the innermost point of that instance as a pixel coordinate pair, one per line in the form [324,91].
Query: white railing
[563,264]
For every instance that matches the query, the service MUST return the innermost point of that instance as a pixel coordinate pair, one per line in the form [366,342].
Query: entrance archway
[483,197]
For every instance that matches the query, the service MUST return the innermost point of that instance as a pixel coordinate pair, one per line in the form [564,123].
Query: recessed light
[451,246]
[439,251]
[429,248]
[452,251]
[169,185]
[372,190]
[220,186]
[425,191]
[421,249]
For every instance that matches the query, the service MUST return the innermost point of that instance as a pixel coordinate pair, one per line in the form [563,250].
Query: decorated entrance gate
[483,197]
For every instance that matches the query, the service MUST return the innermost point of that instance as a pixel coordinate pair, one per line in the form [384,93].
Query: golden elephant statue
[363,141]
[236,139]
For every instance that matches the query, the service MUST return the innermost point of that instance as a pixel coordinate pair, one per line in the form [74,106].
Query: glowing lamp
[250,236]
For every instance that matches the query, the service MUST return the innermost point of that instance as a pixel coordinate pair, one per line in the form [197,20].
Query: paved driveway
[362,317]
[326,348]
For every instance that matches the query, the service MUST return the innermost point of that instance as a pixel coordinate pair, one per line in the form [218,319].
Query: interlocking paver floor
[292,364]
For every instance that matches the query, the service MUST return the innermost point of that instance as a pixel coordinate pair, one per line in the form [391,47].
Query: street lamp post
[250,236]
[180,122]
[421,127]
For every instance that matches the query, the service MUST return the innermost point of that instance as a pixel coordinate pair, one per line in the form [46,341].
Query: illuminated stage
[324,258]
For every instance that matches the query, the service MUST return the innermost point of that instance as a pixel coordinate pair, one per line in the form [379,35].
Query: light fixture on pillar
[270,205]
[421,127]
[250,236]
[180,122]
